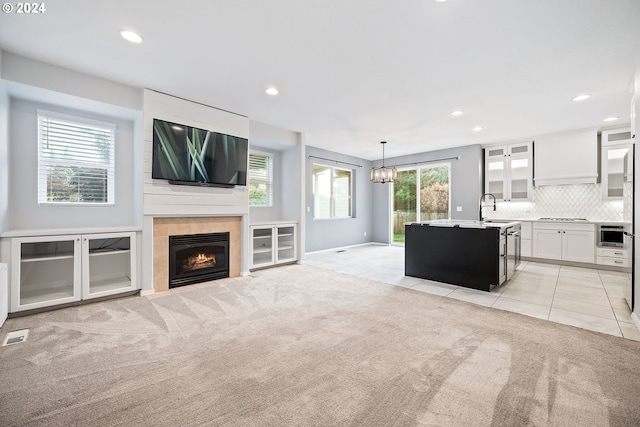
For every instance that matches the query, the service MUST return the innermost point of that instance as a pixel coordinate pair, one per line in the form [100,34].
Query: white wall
[24,211]
[4,158]
[39,74]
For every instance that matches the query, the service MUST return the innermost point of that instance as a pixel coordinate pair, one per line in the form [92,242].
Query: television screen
[185,154]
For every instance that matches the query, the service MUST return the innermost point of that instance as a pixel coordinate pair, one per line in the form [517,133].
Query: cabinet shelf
[262,251]
[110,284]
[33,294]
[109,252]
[35,258]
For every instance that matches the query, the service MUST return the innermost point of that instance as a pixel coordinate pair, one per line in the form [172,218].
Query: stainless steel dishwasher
[513,249]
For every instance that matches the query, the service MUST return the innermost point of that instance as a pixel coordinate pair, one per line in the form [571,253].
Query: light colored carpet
[302,346]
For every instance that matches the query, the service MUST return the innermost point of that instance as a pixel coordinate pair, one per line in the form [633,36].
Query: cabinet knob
[558,231]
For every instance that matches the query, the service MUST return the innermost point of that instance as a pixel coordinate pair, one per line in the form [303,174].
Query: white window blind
[260,179]
[75,160]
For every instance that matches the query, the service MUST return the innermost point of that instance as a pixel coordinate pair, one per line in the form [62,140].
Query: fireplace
[196,258]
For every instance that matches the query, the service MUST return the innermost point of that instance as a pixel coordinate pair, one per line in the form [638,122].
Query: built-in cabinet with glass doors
[272,244]
[509,172]
[53,270]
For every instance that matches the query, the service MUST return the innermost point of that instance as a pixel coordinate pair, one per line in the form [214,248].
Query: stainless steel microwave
[610,235]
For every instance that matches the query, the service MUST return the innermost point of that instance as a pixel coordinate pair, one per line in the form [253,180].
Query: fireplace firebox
[196,258]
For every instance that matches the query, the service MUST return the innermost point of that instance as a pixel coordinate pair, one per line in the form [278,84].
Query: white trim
[72,118]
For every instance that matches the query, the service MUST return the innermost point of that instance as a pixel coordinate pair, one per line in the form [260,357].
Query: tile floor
[583,297]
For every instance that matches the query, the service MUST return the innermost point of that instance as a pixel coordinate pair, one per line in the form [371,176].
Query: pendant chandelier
[384,174]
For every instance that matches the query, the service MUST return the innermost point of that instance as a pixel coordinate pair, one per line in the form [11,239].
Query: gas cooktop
[563,219]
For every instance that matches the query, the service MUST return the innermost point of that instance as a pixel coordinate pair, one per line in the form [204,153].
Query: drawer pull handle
[618,262]
[618,253]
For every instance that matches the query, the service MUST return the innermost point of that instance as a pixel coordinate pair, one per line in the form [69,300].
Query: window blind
[75,159]
[260,180]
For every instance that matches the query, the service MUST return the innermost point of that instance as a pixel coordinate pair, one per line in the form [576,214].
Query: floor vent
[341,250]
[15,337]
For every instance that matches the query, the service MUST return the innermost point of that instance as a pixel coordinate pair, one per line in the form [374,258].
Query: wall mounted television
[190,156]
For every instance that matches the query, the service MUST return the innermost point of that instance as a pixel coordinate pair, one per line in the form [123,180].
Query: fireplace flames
[200,260]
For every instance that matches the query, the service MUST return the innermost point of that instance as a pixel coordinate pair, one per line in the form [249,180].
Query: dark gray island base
[473,255]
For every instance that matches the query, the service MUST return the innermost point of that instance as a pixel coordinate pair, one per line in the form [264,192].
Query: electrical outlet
[365,234]
[459,208]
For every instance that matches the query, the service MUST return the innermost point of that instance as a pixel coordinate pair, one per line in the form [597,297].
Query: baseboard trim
[347,247]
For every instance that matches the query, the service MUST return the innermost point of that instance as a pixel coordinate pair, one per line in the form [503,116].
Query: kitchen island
[473,254]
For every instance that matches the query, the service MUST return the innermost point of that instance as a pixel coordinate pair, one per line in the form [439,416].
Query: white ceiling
[354,72]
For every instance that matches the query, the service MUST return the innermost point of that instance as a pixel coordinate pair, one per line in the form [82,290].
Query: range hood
[566,158]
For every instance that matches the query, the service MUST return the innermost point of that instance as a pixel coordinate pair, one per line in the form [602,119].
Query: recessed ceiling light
[477,129]
[456,113]
[611,119]
[440,1]
[271,91]
[131,36]
[581,97]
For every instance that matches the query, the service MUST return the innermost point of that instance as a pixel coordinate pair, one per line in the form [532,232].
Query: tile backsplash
[561,201]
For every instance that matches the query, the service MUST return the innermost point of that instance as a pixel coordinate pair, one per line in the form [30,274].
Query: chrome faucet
[481,199]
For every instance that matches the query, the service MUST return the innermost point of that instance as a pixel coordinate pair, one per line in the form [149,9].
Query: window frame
[43,162]
[332,193]
[270,195]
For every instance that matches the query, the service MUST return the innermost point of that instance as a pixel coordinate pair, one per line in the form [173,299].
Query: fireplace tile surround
[163,227]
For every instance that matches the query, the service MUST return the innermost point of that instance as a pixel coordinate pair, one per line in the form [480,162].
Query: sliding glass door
[423,193]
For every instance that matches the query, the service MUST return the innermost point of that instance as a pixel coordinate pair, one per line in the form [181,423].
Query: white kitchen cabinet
[53,270]
[615,145]
[564,241]
[508,172]
[613,257]
[567,158]
[273,244]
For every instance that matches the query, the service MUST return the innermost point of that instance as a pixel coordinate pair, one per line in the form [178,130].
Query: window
[260,179]
[75,160]
[331,192]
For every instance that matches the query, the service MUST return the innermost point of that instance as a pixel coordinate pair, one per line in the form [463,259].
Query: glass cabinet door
[107,264]
[286,245]
[262,246]
[520,178]
[496,181]
[48,272]
[613,169]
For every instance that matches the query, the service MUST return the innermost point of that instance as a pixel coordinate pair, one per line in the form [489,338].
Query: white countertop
[588,221]
[68,231]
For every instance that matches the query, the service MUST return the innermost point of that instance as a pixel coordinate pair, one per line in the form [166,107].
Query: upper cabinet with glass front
[614,162]
[509,171]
